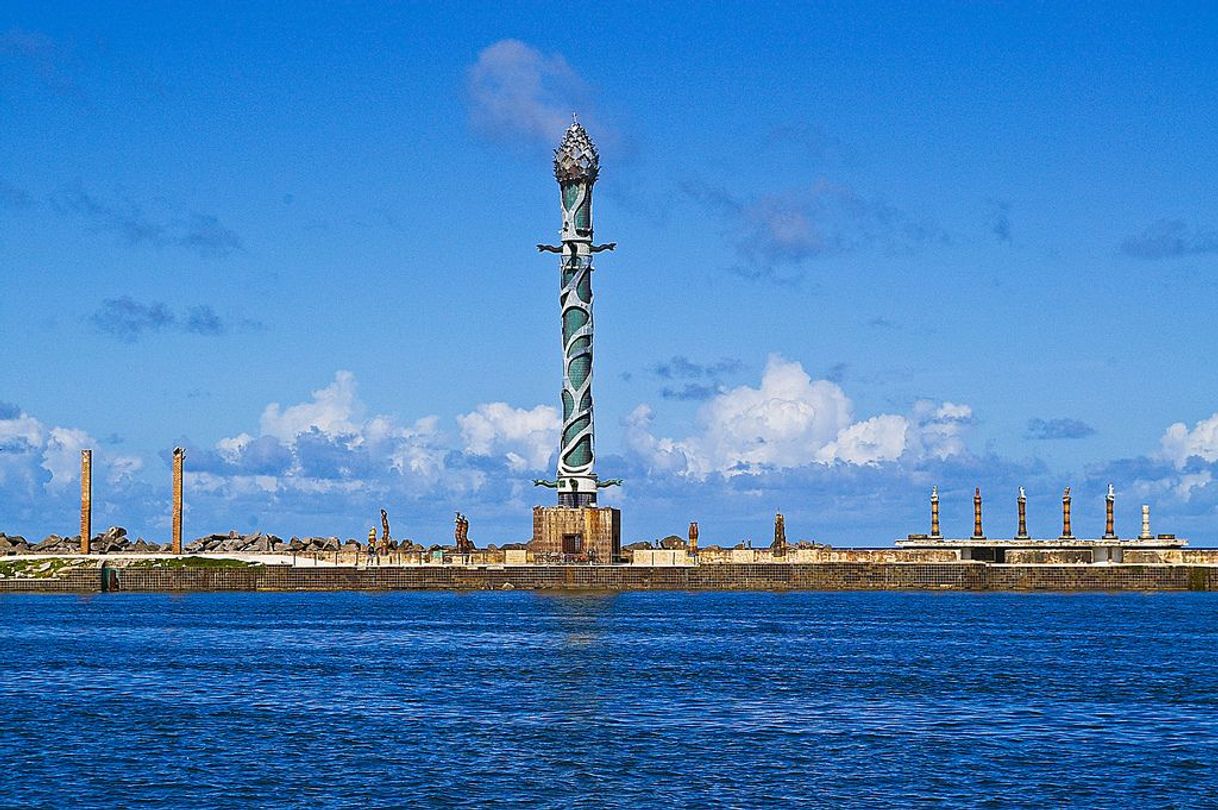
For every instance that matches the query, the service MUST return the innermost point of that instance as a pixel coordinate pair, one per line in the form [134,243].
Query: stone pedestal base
[585,534]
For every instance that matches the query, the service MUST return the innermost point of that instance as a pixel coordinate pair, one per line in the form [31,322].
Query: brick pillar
[934,512]
[179,455]
[977,533]
[1109,514]
[1022,534]
[86,500]
[1066,533]
[693,537]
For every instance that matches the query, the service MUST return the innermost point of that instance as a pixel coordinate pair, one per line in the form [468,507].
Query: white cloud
[334,410]
[517,91]
[791,420]
[526,438]
[939,429]
[880,438]
[41,461]
[1179,444]
[61,456]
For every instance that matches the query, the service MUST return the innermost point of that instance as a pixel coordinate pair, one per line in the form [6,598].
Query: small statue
[779,546]
[461,535]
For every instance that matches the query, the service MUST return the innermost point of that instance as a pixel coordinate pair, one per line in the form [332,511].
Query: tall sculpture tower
[576,167]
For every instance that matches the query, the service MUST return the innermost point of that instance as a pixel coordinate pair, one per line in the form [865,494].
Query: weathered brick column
[978,534]
[86,499]
[1066,533]
[1109,516]
[179,455]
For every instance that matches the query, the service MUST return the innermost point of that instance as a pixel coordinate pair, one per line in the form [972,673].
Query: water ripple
[608,700]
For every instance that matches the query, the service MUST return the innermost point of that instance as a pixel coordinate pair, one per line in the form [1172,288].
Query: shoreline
[66,575]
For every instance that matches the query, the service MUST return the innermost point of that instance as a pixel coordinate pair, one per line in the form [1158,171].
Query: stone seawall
[796,576]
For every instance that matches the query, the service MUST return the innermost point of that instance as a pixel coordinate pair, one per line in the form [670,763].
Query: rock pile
[16,544]
[234,543]
[313,545]
[113,540]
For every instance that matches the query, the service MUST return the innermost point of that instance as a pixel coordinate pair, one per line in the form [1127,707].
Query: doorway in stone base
[573,544]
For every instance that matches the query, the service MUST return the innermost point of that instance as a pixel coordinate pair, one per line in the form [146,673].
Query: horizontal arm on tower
[549,249]
[607,246]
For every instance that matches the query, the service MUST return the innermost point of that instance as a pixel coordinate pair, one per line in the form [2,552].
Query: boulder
[54,544]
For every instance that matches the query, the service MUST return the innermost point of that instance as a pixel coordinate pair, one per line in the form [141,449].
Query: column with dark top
[179,456]
[1110,514]
[977,533]
[1066,533]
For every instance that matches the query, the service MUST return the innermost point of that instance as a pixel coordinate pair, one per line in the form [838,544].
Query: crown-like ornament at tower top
[576,158]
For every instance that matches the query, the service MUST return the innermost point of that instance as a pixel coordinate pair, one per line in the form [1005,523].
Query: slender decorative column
[977,533]
[1066,533]
[1145,535]
[86,500]
[576,166]
[934,512]
[1110,514]
[693,537]
[179,455]
[1022,534]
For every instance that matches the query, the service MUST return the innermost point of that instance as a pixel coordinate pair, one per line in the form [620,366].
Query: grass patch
[36,569]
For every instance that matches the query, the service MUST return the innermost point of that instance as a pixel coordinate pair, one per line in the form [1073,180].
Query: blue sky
[862,249]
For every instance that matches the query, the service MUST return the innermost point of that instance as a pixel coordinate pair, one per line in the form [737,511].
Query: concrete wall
[717,556]
[655,556]
[755,576]
[1037,556]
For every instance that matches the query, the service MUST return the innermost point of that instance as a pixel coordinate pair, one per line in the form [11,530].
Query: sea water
[518,699]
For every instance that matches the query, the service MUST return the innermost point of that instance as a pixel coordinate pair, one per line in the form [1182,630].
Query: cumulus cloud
[202,234]
[1169,239]
[1180,444]
[128,320]
[40,463]
[777,232]
[517,92]
[525,438]
[333,410]
[791,420]
[1062,428]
